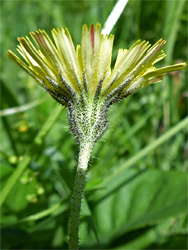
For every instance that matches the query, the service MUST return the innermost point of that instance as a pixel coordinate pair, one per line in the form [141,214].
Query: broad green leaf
[136,199]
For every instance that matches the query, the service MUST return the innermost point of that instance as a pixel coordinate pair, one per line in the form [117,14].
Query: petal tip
[92,36]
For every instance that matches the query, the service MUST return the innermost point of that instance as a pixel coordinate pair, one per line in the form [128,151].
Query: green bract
[82,79]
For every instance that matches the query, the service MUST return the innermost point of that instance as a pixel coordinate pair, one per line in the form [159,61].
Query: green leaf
[137,199]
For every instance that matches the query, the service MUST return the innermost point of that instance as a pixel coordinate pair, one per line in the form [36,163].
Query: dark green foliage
[143,206]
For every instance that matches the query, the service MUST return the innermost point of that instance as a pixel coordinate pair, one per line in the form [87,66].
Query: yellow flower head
[82,78]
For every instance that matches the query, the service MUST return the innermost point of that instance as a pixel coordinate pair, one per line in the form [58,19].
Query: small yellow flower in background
[82,78]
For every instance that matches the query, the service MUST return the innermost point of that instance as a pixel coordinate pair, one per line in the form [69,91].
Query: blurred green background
[135,197]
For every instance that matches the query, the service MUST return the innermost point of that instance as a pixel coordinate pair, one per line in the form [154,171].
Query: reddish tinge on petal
[92,36]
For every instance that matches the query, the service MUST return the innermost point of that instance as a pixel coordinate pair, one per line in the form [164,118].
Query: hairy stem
[84,156]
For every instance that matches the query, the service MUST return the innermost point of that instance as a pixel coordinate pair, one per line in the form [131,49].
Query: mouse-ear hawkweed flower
[82,80]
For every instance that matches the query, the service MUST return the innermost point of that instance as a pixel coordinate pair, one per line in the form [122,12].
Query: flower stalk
[84,156]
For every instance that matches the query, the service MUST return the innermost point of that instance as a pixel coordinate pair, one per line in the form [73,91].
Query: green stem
[84,156]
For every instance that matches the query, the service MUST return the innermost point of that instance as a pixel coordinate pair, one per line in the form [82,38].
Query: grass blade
[173,18]
[172,23]
[163,138]
[23,108]
[114,16]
